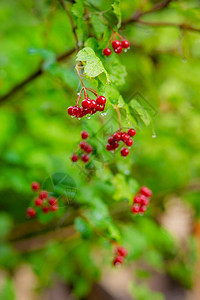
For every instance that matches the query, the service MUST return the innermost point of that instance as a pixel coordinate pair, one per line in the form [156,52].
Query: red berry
[45,209]
[135,209]
[76,111]
[31,212]
[111,140]
[35,186]
[43,194]
[93,104]
[137,199]
[129,143]
[54,207]
[125,44]
[89,149]
[52,201]
[144,200]
[100,107]
[107,51]
[109,147]
[70,110]
[116,44]
[124,152]
[74,157]
[143,209]
[124,136]
[85,158]
[86,103]
[83,145]
[145,191]
[132,132]
[38,202]
[118,50]
[115,145]
[118,260]
[122,251]
[117,136]
[101,100]
[84,135]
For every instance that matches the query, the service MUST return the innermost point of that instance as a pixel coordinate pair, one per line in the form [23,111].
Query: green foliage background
[156,86]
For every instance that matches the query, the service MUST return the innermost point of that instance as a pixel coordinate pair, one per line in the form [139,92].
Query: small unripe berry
[125,44]
[74,157]
[145,191]
[85,158]
[35,186]
[118,260]
[118,50]
[129,143]
[52,201]
[107,51]
[135,209]
[116,44]
[101,100]
[43,194]
[132,132]
[38,202]
[124,152]
[31,212]
[84,135]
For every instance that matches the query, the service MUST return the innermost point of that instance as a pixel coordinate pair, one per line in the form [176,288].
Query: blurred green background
[37,138]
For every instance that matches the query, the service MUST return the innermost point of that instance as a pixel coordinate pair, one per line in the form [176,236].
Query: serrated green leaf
[94,66]
[117,11]
[139,113]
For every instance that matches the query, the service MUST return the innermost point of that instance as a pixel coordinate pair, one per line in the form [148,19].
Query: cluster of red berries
[117,46]
[85,149]
[125,137]
[43,200]
[120,253]
[141,200]
[88,106]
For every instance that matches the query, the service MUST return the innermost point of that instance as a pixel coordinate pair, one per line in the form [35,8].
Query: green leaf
[98,25]
[117,11]
[61,184]
[94,66]
[116,70]
[78,8]
[78,11]
[5,225]
[122,189]
[7,291]
[83,227]
[139,112]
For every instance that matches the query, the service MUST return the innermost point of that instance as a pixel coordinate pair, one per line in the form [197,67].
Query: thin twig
[32,77]
[119,117]
[72,23]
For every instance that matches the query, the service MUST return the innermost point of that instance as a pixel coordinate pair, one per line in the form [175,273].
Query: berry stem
[119,116]
[92,91]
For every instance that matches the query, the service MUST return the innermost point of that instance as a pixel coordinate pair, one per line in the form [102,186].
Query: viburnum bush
[113,76]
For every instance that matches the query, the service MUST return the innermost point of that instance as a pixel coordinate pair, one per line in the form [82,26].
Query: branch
[72,23]
[138,14]
[168,24]
[31,77]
